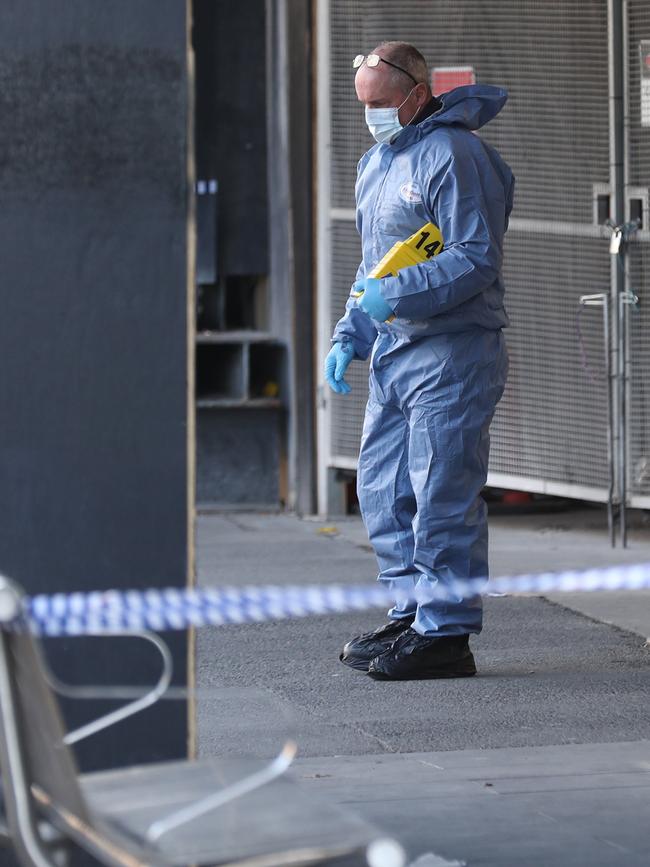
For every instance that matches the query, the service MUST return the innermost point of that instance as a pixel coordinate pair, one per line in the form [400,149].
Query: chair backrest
[30,704]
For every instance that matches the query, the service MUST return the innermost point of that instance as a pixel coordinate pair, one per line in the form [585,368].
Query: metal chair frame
[38,821]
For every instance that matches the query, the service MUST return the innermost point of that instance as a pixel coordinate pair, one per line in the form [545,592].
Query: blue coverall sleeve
[356,326]
[472,223]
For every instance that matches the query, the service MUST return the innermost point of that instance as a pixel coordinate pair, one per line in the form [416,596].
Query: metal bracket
[597,300]
[629,297]
[621,234]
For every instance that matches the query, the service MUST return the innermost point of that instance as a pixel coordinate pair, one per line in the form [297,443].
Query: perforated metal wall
[552,58]
[346,411]
[639,136]
[550,428]
[551,423]
[639,177]
[639,397]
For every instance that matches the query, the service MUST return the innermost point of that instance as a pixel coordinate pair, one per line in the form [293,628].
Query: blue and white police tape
[160,610]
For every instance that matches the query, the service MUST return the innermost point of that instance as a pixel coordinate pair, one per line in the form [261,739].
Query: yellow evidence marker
[419,247]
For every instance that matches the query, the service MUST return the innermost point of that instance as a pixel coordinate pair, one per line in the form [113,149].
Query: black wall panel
[93,287]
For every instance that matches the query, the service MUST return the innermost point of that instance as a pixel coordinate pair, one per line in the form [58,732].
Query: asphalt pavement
[543,758]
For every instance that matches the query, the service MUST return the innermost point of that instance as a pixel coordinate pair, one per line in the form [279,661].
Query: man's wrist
[373,301]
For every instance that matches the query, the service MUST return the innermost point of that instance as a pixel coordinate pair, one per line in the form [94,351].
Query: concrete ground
[543,759]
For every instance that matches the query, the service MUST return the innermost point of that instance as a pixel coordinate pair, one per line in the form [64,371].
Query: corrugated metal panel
[639,176]
[639,392]
[552,57]
[638,30]
[551,423]
[347,410]
[350,138]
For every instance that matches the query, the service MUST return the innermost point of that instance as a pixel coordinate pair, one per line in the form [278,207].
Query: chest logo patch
[410,192]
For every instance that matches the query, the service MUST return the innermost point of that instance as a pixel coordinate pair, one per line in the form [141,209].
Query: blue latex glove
[371,301]
[336,363]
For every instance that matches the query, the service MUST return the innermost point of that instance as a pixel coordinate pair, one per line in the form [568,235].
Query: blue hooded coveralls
[438,370]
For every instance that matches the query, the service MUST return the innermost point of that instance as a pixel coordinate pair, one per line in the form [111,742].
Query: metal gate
[550,431]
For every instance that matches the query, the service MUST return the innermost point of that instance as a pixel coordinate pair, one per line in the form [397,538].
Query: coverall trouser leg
[387,500]
[422,467]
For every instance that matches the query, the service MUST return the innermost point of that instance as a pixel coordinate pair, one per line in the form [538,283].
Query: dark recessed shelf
[266,370]
[239,369]
[221,371]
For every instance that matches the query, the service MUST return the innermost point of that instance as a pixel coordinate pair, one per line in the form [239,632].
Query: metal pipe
[622,417]
[602,300]
[18,804]
[610,424]
[625,262]
[615,38]
[627,299]
[323,136]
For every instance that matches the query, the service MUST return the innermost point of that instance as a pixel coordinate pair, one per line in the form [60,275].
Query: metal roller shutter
[552,56]
[550,429]
[347,411]
[639,256]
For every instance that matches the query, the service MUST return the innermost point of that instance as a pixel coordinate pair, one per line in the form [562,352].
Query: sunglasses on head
[373,60]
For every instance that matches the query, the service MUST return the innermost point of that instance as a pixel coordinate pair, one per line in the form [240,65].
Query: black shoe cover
[358,652]
[417,657]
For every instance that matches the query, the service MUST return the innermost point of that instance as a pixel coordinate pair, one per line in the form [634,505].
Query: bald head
[384,86]
[407,57]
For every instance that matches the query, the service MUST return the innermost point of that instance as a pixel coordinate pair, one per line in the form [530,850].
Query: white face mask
[383,123]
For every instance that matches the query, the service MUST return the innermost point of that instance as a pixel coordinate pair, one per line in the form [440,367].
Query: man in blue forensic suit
[438,359]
